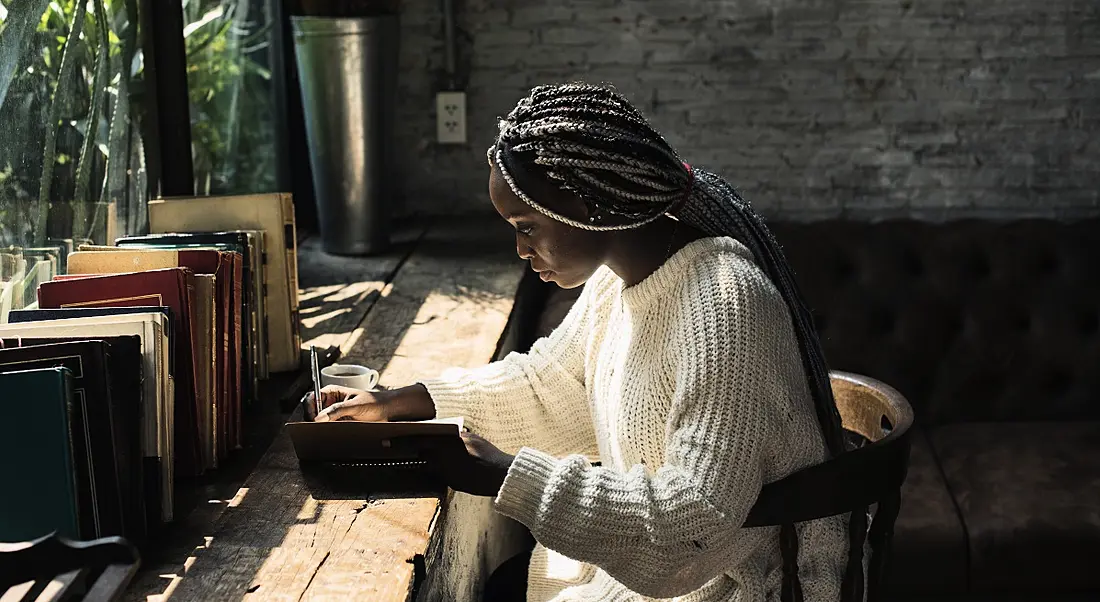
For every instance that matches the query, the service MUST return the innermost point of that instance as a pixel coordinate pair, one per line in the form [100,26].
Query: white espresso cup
[349,375]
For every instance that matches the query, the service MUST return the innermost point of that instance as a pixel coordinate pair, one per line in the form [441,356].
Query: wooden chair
[869,476]
[57,569]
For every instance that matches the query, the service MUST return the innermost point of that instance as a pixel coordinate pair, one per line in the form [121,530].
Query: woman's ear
[593,214]
[569,204]
[590,212]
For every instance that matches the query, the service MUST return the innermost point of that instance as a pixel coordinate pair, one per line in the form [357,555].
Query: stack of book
[134,367]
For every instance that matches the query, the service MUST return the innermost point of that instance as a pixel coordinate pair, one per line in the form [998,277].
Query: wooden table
[442,298]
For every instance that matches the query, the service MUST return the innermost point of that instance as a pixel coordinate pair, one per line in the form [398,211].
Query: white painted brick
[572,36]
[537,15]
[543,55]
[506,37]
[945,106]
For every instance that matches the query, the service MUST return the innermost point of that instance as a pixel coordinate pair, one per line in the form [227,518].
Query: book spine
[68,394]
[265,323]
[226,357]
[238,388]
[189,459]
[291,236]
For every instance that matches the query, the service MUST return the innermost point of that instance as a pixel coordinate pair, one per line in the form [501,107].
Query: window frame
[167,128]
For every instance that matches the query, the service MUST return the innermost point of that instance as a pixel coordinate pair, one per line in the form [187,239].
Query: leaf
[255,68]
[24,16]
[49,149]
[210,17]
[84,167]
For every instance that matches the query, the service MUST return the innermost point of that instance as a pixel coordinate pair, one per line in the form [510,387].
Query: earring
[593,211]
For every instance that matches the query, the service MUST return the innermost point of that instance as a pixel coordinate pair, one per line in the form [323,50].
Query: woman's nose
[523,250]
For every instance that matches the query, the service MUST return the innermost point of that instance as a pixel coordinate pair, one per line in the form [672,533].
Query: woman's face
[560,253]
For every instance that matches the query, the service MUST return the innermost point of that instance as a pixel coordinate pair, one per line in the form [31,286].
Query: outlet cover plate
[450,121]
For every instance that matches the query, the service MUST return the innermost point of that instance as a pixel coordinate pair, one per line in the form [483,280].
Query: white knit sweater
[689,390]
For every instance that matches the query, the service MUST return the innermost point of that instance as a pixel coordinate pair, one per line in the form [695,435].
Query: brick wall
[932,108]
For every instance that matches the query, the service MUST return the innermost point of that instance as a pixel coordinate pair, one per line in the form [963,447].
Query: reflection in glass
[71,161]
[228,76]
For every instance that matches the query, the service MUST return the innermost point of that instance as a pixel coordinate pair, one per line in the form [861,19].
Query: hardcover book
[45,473]
[138,477]
[157,387]
[98,463]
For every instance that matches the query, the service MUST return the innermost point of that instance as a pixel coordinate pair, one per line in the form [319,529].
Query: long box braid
[593,142]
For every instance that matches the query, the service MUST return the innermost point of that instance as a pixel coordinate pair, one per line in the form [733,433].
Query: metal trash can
[347,71]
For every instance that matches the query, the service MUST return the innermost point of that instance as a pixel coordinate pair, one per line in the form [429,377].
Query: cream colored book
[93,260]
[274,215]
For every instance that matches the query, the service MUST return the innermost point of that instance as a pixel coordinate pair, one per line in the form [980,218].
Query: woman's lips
[544,273]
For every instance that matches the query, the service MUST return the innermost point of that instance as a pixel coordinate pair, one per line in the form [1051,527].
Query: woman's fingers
[338,410]
[354,405]
[333,394]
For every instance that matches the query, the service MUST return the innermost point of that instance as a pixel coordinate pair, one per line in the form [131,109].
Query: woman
[634,439]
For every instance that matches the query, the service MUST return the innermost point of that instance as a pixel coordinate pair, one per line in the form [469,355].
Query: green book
[38,475]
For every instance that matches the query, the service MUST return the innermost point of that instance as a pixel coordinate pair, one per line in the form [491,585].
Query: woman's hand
[476,466]
[343,403]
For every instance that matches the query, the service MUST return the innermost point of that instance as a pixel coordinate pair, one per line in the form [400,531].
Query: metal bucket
[347,70]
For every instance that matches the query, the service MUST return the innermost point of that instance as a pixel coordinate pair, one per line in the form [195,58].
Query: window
[71,161]
[229,79]
[89,127]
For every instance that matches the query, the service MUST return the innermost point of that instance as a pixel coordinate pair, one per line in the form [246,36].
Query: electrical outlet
[450,117]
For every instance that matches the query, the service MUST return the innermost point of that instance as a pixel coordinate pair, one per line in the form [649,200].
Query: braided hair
[592,142]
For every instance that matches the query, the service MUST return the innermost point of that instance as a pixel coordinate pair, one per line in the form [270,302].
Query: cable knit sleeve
[537,398]
[667,532]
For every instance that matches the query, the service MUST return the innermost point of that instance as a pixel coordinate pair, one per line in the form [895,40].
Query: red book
[221,265]
[173,287]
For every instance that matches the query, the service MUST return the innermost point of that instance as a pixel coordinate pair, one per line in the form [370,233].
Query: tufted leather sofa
[992,331]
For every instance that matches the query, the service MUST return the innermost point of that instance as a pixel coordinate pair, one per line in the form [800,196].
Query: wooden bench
[442,298]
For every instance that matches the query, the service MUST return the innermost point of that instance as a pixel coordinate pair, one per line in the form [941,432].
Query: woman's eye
[525,230]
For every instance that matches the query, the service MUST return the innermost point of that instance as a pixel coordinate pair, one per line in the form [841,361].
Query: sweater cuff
[521,494]
[451,397]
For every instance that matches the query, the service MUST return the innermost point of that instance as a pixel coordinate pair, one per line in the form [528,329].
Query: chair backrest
[55,568]
[881,414]
[859,478]
[868,476]
[869,407]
